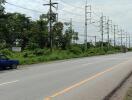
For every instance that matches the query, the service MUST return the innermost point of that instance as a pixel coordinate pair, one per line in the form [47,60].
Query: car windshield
[3,57]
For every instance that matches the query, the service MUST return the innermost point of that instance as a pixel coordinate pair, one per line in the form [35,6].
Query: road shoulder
[124,91]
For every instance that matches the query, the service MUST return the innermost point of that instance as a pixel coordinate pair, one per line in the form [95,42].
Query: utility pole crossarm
[50,21]
[46,4]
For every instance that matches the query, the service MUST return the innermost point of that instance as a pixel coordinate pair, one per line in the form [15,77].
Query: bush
[129,49]
[39,52]
[27,53]
[2,46]
[75,50]
[43,55]
[94,51]
[32,46]
[6,52]
[117,48]
[110,52]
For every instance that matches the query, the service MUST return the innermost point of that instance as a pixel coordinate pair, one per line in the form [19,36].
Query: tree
[18,27]
[15,26]
[1,6]
[75,37]
[1,18]
[39,33]
[68,37]
[58,34]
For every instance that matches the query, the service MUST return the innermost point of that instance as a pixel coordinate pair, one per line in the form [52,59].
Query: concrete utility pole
[126,39]
[86,23]
[115,35]
[71,25]
[50,17]
[129,41]
[121,37]
[108,32]
[102,30]
[95,40]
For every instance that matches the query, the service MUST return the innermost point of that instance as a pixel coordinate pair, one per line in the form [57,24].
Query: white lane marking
[6,83]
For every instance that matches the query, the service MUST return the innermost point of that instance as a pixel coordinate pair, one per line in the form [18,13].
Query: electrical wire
[24,7]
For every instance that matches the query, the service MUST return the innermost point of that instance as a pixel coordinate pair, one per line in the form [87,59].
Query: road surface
[89,78]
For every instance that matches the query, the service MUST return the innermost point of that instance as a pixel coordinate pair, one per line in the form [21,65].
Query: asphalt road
[78,79]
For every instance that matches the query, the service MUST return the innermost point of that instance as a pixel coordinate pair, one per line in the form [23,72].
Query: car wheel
[14,66]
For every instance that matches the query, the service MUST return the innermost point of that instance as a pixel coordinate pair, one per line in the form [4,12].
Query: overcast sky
[120,11]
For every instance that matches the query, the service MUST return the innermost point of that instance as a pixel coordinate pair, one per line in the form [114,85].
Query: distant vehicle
[5,62]
[124,50]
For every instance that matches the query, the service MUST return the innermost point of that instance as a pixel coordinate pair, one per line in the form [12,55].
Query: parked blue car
[5,62]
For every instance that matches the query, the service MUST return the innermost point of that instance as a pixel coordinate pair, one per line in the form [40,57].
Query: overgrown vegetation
[44,55]
[129,94]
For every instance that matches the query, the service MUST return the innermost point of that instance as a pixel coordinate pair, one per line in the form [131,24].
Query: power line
[72,5]
[24,7]
[69,12]
[66,10]
[40,11]
[30,9]
[79,8]
[68,20]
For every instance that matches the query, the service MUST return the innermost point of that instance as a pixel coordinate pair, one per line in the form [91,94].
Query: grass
[44,55]
[129,95]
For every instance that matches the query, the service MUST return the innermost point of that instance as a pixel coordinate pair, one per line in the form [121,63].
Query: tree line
[17,29]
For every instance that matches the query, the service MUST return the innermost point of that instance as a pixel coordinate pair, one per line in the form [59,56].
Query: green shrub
[129,49]
[94,51]
[32,46]
[6,52]
[27,53]
[75,50]
[39,52]
[2,46]
[110,52]
[43,55]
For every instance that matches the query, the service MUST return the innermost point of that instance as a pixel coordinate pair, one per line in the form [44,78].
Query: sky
[119,11]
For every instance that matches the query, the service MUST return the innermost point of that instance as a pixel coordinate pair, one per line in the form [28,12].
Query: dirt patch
[125,92]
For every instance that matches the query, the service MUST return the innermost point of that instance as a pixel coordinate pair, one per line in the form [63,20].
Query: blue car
[5,62]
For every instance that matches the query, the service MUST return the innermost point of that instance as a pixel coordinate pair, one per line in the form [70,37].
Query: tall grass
[44,55]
